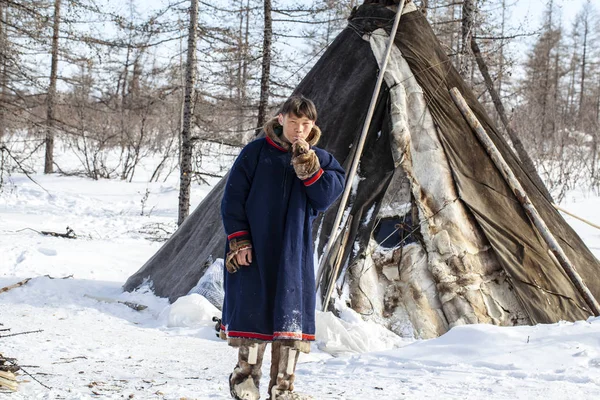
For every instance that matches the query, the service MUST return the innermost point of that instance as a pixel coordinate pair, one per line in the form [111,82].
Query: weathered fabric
[266,203]
[542,286]
[469,280]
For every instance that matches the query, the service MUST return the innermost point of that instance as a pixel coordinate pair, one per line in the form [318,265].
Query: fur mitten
[235,246]
[306,164]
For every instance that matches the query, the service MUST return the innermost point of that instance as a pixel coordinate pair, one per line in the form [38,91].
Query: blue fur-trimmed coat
[265,202]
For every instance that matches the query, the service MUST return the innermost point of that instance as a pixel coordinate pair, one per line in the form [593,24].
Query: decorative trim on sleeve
[315,178]
[237,234]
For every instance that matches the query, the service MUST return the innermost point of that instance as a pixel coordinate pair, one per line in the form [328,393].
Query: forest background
[162,79]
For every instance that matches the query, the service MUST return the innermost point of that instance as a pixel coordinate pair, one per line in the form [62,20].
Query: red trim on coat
[250,335]
[272,143]
[237,234]
[293,335]
[262,336]
[315,178]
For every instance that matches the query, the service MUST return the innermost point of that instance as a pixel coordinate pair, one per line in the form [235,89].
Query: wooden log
[576,217]
[8,380]
[15,285]
[523,198]
[70,234]
[134,306]
[21,333]
[337,263]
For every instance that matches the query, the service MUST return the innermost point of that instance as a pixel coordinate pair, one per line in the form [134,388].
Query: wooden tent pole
[338,261]
[357,154]
[575,216]
[524,199]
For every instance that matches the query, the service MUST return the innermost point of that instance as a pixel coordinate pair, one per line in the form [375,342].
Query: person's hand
[300,146]
[244,257]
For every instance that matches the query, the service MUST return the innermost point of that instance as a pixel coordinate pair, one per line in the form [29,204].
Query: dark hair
[301,107]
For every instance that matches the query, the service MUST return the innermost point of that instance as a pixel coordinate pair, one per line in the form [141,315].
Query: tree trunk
[545,87]
[583,68]
[594,173]
[546,79]
[3,71]
[555,99]
[266,66]
[500,77]
[185,177]
[468,25]
[520,149]
[245,60]
[454,42]
[49,161]
[571,92]
[240,66]
[125,137]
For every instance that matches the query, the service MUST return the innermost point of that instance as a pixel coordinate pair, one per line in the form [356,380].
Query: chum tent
[433,237]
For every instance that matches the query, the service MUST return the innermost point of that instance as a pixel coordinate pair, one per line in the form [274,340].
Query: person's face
[295,127]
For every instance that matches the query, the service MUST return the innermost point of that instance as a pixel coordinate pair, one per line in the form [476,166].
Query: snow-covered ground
[92,348]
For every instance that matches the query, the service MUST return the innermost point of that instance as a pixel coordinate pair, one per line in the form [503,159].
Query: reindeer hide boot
[245,378]
[283,365]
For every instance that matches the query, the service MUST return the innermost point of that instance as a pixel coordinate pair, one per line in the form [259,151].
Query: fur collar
[274,131]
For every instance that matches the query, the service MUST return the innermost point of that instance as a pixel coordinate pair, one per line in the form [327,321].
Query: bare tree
[467,28]
[185,176]
[501,58]
[266,64]
[585,22]
[3,69]
[49,159]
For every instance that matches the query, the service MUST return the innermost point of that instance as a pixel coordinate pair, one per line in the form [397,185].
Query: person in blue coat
[276,187]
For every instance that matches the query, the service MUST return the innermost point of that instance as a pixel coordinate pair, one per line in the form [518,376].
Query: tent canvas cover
[433,235]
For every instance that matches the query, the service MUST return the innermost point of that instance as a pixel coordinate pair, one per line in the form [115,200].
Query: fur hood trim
[273,125]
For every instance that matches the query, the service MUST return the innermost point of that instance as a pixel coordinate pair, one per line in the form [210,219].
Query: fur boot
[283,367]
[245,378]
